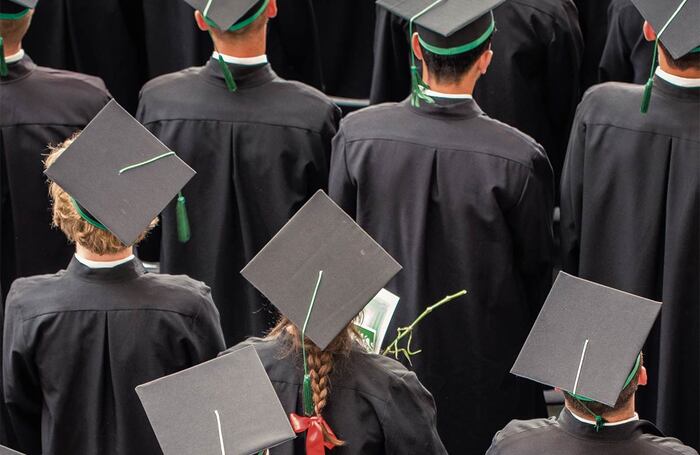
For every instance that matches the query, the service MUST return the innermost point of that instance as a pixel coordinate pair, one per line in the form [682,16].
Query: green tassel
[417,88]
[308,396]
[599,422]
[3,63]
[230,83]
[646,98]
[183,222]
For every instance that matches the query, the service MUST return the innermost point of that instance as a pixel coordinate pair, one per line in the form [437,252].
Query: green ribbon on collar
[306,387]
[648,87]
[463,48]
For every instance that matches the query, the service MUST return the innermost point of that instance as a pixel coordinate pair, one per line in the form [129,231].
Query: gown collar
[123,272]
[675,91]
[447,108]
[623,432]
[246,76]
[18,69]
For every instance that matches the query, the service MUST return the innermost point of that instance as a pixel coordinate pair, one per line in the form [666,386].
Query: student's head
[320,362]
[442,57]
[76,228]
[252,34]
[13,31]
[689,63]
[624,404]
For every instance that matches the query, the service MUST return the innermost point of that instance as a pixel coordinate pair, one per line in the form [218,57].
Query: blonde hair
[65,216]
[320,362]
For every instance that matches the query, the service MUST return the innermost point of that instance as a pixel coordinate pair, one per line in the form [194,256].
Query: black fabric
[627,56]
[567,435]
[639,174]
[375,404]
[462,202]
[128,43]
[77,343]
[260,153]
[48,106]
[532,83]
[593,17]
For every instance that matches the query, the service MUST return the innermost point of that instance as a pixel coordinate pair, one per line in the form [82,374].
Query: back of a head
[66,215]
[14,23]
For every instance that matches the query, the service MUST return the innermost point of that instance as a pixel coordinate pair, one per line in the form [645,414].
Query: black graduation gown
[462,202]
[593,17]
[532,83]
[375,405]
[567,435]
[631,220]
[627,56]
[40,106]
[260,153]
[77,343]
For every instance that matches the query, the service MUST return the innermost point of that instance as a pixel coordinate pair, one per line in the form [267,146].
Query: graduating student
[533,82]
[627,53]
[587,342]
[631,210]
[261,146]
[464,202]
[77,342]
[38,106]
[320,271]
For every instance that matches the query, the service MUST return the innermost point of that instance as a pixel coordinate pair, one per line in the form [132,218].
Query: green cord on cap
[463,48]
[3,63]
[306,387]
[646,97]
[418,85]
[84,215]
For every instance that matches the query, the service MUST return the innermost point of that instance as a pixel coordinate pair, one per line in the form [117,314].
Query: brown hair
[224,35]
[67,219]
[686,62]
[320,362]
[13,30]
[602,409]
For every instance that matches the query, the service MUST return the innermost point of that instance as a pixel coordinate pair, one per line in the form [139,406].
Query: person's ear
[271,9]
[649,33]
[201,23]
[643,378]
[483,63]
[415,45]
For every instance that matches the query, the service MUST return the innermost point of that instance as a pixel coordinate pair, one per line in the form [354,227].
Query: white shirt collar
[686,82]
[258,60]
[455,96]
[611,424]
[16,57]
[102,264]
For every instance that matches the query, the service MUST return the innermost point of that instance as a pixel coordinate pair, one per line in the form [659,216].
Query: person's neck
[690,73]
[251,46]
[90,256]
[10,49]
[617,415]
[464,86]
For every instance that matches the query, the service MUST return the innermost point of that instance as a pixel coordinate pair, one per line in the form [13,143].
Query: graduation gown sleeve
[341,189]
[409,420]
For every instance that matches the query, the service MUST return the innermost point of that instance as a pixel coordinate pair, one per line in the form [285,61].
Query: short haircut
[225,35]
[689,61]
[452,68]
[13,30]
[66,217]
[600,408]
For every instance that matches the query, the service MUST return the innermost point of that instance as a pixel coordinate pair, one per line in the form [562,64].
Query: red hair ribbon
[314,437]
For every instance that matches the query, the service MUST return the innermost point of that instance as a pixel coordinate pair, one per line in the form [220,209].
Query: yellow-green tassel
[646,98]
[230,83]
[3,63]
[308,396]
[183,222]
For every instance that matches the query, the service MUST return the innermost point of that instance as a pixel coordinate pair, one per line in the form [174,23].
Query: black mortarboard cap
[226,405]
[16,6]
[224,14]
[447,23]
[586,339]
[7,451]
[321,237]
[119,173]
[682,34]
